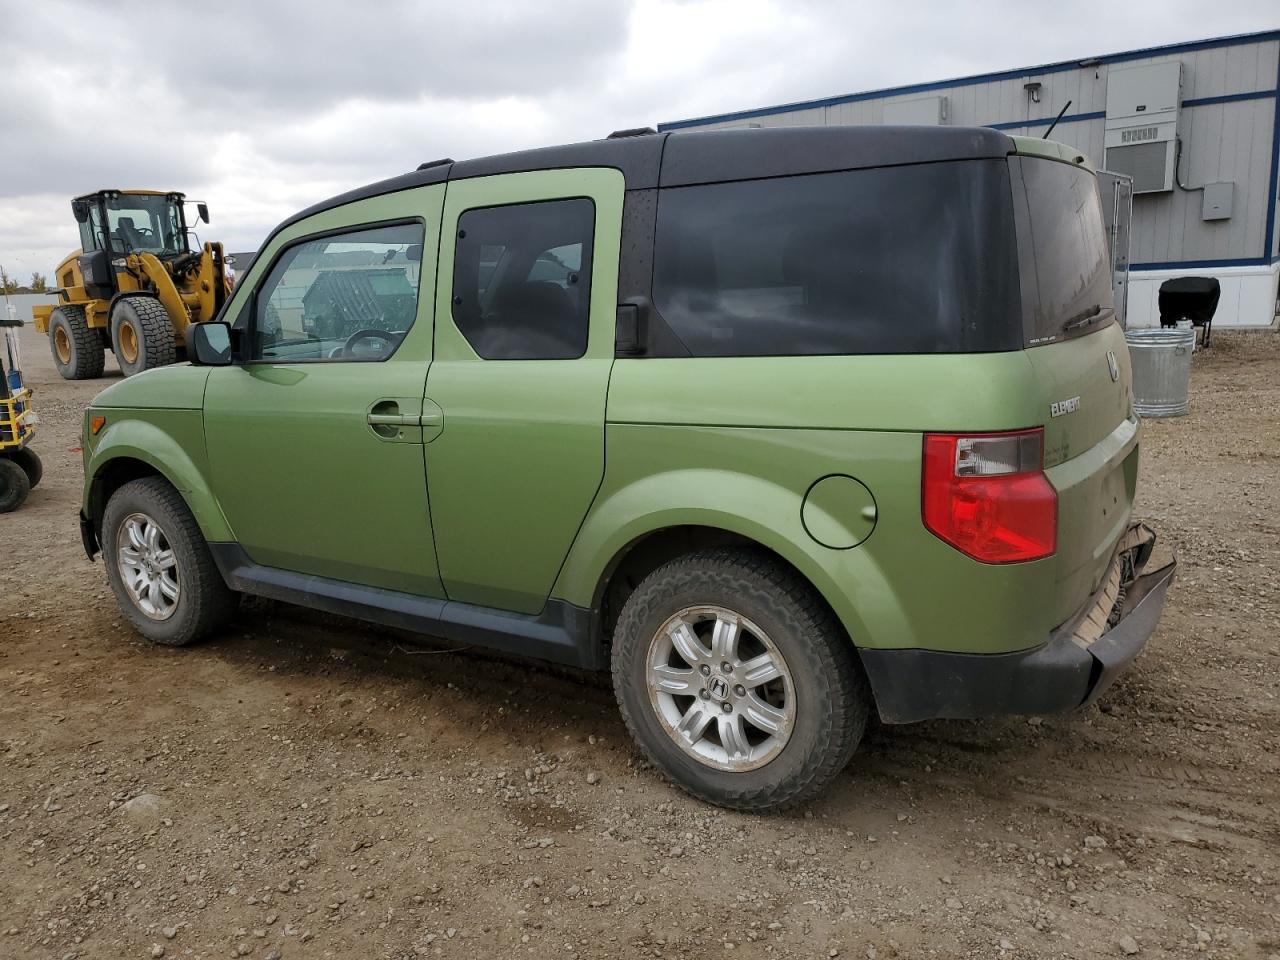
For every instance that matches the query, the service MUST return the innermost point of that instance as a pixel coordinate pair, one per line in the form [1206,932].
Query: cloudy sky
[264,107]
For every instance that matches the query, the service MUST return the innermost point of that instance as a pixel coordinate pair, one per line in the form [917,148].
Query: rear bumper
[1078,662]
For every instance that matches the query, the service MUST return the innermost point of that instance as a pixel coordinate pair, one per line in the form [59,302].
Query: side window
[910,259]
[344,297]
[91,231]
[522,279]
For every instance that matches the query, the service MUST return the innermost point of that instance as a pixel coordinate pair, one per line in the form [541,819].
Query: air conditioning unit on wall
[1141,132]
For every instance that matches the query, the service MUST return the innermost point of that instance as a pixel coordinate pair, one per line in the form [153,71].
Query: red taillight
[987,495]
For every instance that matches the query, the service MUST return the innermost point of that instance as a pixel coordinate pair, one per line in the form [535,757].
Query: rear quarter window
[1063,252]
[911,259]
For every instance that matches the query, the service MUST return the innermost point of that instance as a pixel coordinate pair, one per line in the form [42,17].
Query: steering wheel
[348,352]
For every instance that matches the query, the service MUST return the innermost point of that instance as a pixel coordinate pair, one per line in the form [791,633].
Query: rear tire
[166,583]
[14,485]
[760,745]
[141,335]
[30,463]
[76,347]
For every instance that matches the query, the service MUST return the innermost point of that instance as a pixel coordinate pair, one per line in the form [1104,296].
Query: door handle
[386,413]
[388,422]
[394,420]
[432,419]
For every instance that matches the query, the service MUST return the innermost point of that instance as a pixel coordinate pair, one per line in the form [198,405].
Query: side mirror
[203,209]
[209,344]
[80,210]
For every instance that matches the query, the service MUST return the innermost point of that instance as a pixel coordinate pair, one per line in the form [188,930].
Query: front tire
[76,347]
[141,335]
[159,565]
[14,485]
[737,681]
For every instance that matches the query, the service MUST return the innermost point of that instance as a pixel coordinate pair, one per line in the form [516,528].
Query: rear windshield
[1065,266]
[912,259]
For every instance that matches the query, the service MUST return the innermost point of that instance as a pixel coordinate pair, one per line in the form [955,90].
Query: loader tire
[14,485]
[30,463]
[76,347]
[141,335]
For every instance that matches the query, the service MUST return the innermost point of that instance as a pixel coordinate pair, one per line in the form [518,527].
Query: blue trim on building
[1045,121]
[1102,114]
[1203,264]
[1230,98]
[1060,67]
[1269,235]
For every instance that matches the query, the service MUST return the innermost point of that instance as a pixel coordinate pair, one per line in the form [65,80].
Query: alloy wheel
[148,566]
[720,688]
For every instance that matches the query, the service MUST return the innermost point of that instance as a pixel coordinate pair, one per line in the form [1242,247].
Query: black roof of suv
[683,158]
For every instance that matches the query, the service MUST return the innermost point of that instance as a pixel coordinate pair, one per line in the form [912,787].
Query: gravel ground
[305,787]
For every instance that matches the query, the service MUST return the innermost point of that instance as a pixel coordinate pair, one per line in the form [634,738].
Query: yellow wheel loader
[134,286]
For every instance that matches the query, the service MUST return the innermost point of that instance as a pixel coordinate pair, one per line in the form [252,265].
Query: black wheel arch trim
[561,633]
[89,536]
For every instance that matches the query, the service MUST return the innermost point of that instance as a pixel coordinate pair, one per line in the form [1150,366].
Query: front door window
[344,297]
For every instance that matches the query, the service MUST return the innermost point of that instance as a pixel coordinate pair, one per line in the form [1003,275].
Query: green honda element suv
[780,426]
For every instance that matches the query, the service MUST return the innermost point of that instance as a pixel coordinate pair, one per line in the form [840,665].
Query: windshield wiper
[1084,318]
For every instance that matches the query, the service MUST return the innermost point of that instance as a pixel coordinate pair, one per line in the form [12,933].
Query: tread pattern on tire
[87,357]
[14,485]
[201,582]
[849,698]
[157,346]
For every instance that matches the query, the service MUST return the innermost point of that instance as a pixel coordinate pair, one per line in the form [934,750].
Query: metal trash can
[1161,360]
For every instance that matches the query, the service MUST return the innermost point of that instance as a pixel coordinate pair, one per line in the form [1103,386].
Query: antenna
[1045,135]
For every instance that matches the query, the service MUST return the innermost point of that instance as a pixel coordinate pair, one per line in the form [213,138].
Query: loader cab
[120,222]
[96,255]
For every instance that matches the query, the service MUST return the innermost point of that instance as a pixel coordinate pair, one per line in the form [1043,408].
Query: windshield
[140,222]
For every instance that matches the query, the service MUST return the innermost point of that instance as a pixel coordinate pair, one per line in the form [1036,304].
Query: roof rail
[435,163]
[631,132]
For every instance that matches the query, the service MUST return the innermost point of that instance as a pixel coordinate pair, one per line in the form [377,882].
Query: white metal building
[1197,125]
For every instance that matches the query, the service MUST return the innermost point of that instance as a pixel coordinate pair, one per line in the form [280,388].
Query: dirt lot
[309,788]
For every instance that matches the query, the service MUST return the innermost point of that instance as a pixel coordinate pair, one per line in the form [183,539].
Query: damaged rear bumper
[1080,660]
